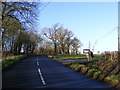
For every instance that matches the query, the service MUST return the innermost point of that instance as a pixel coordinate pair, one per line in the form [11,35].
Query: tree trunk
[55,48]
[63,51]
[68,49]
[19,48]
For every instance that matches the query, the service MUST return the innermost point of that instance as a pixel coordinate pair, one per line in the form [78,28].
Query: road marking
[37,63]
[43,81]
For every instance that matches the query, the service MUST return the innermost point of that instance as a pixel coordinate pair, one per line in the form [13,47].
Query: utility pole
[89,44]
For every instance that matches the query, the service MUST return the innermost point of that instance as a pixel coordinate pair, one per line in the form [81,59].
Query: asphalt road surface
[43,72]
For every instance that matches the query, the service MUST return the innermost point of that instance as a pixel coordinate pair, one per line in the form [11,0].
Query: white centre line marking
[37,63]
[43,81]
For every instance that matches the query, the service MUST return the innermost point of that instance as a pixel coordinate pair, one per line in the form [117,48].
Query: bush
[50,56]
[112,80]
[96,74]
[84,70]
[90,72]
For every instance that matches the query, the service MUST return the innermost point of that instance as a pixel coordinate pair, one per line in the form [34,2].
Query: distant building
[85,51]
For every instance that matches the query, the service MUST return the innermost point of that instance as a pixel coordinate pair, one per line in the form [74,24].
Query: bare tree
[51,33]
[62,33]
[30,41]
[69,41]
[76,44]
[62,39]
[16,15]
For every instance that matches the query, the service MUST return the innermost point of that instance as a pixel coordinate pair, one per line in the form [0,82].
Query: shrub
[90,72]
[50,56]
[112,79]
[96,74]
[84,70]
[102,76]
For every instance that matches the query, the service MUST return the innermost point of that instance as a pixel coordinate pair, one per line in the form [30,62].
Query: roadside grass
[68,56]
[10,61]
[82,56]
[101,70]
[97,56]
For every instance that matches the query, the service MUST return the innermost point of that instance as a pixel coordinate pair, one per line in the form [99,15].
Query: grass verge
[99,70]
[68,56]
[11,61]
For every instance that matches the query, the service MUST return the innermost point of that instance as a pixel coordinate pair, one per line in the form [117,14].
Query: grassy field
[75,56]
[69,56]
[97,56]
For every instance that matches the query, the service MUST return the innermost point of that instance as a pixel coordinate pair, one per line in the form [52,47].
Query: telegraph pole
[89,44]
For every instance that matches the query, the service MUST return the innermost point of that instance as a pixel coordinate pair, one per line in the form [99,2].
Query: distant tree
[69,41]
[62,39]
[75,45]
[31,40]
[62,35]
[51,33]
[48,47]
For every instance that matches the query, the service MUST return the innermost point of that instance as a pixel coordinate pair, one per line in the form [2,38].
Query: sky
[89,21]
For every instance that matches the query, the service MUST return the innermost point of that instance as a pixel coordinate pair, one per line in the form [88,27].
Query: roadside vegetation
[101,70]
[68,56]
[81,56]
[6,63]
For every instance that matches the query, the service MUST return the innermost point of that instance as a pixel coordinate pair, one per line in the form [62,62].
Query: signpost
[87,53]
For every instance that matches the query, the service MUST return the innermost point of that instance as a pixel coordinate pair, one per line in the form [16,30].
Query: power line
[45,6]
[104,36]
[107,34]
[43,9]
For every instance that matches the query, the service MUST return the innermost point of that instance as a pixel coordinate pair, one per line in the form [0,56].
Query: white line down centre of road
[40,74]
[37,63]
[43,81]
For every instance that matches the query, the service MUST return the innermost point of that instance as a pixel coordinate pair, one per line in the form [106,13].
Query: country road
[44,72]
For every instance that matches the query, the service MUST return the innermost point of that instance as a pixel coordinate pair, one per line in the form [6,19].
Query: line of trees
[62,39]
[18,32]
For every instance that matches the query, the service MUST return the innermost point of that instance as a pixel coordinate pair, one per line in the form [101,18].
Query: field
[69,56]
[96,56]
